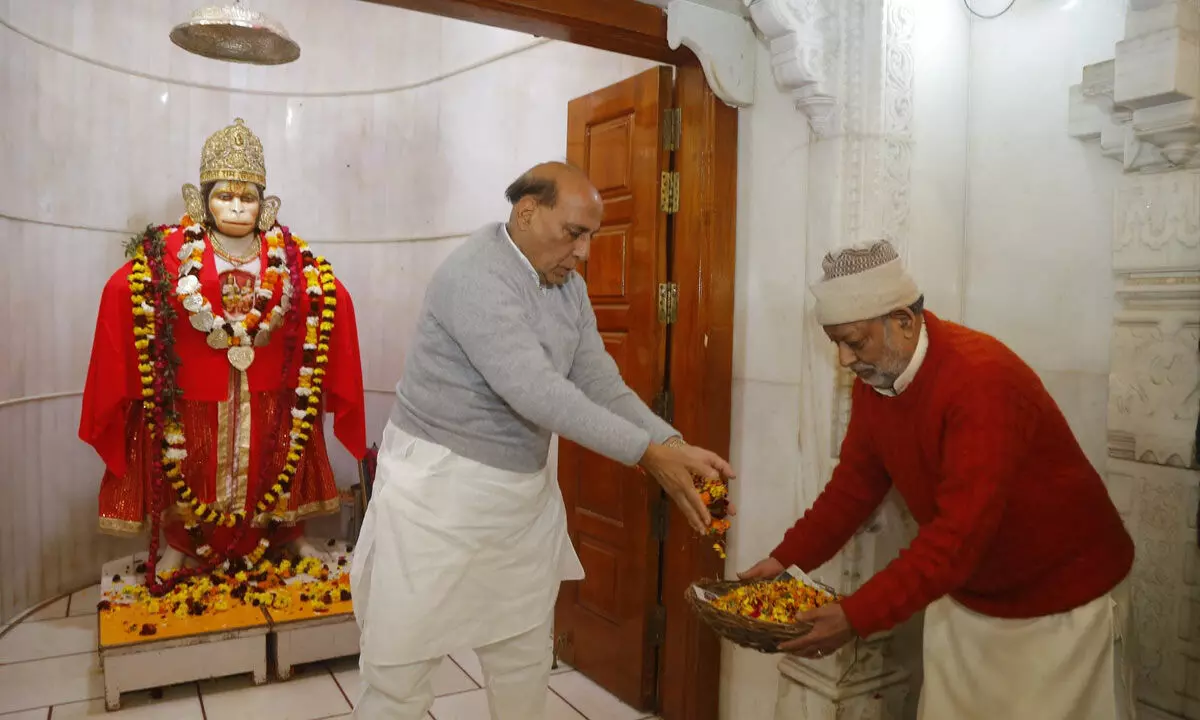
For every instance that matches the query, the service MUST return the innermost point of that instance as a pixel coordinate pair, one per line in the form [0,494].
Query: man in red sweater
[1021,557]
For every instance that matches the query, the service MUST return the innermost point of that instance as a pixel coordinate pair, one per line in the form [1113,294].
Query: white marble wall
[782,416]
[390,139]
[1039,211]
[773,159]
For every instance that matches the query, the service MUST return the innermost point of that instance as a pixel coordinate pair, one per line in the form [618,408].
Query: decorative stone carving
[1142,109]
[1157,223]
[1154,384]
[898,74]
[1147,97]
[1160,512]
[724,43]
[804,42]
[875,125]
[1154,388]
[812,691]
[849,65]
[861,680]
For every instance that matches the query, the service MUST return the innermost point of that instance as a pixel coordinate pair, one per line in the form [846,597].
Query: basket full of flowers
[760,614]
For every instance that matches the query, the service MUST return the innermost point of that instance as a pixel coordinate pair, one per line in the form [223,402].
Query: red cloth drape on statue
[111,419]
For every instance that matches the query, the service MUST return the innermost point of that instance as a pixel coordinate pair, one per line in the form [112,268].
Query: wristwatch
[674,441]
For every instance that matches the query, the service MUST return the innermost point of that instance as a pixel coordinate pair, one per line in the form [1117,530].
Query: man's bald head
[543,182]
[556,210]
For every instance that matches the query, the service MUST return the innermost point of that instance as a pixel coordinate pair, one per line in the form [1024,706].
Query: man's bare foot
[304,548]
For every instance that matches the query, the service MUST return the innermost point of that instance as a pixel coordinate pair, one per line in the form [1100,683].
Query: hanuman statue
[218,350]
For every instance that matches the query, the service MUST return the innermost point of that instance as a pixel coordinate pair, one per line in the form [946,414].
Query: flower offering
[715,494]
[778,601]
[306,586]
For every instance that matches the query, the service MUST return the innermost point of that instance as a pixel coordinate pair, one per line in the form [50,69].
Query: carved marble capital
[1144,105]
[803,39]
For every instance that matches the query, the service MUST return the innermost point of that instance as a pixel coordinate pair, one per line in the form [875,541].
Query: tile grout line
[51,619]
[568,702]
[48,708]
[562,697]
[48,657]
[457,693]
[338,685]
[478,685]
[200,697]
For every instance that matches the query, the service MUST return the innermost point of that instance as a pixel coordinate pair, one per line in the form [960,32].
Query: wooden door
[605,623]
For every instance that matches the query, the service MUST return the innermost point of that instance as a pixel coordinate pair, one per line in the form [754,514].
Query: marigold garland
[152,313]
[306,407]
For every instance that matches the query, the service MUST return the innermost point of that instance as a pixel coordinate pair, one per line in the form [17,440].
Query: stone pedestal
[183,650]
[304,641]
[859,681]
[243,639]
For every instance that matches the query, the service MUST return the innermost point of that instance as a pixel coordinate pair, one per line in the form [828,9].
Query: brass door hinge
[668,192]
[668,303]
[672,128]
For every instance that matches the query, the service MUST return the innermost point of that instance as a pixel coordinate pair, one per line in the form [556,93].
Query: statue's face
[234,207]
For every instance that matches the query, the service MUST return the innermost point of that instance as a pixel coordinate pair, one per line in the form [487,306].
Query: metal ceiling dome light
[235,34]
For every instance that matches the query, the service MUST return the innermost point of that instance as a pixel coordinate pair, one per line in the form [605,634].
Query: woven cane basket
[760,635]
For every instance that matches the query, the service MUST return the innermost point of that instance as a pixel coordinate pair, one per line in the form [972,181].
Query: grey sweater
[499,363]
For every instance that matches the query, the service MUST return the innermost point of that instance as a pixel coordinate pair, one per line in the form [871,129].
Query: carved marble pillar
[848,64]
[1141,108]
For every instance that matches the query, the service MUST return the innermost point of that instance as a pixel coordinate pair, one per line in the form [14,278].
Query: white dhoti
[455,555]
[1077,665]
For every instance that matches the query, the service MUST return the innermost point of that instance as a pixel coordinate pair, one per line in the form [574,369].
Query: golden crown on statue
[233,153]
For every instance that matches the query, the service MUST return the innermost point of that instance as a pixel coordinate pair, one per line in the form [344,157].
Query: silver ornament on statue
[202,321]
[193,303]
[240,357]
[218,339]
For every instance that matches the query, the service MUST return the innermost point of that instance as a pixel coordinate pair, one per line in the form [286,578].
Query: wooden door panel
[608,149]
[606,273]
[614,135]
[602,596]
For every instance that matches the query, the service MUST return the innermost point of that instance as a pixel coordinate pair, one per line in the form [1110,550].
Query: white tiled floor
[84,601]
[48,662]
[56,609]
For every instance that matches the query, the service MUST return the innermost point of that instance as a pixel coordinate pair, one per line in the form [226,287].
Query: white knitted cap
[862,282]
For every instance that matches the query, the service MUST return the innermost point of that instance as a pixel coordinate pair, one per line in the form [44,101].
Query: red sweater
[1015,522]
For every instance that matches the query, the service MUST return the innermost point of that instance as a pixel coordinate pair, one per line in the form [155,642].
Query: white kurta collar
[532,271]
[914,365]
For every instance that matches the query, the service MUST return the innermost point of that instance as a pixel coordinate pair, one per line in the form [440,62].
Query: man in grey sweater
[465,540]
